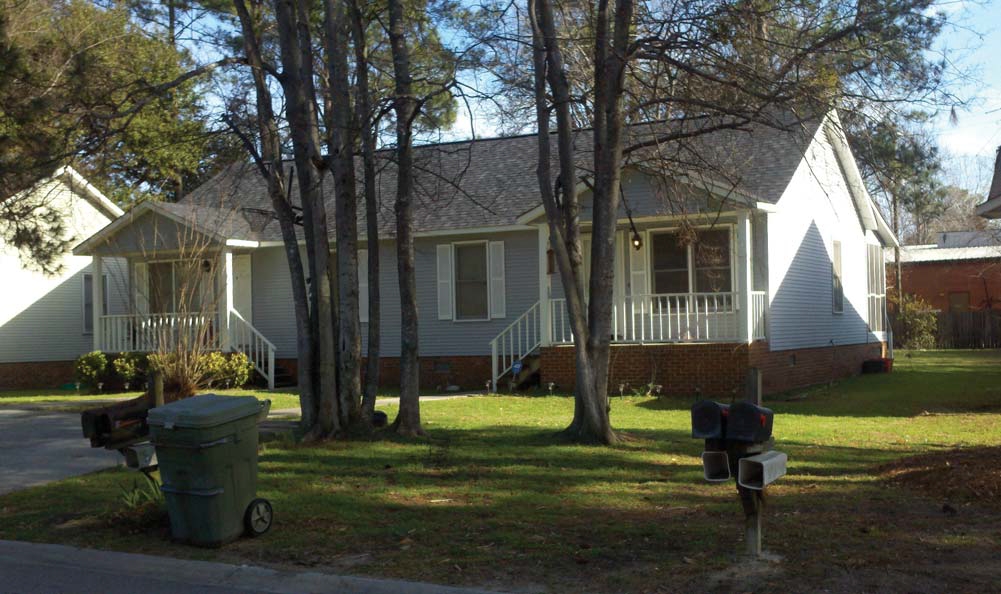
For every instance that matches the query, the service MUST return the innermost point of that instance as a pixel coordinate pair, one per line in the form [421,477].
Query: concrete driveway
[37,447]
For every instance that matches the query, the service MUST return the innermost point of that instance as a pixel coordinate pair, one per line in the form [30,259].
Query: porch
[186,286]
[673,283]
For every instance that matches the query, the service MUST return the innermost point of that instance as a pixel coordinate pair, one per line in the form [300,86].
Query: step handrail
[515,342]
[249,340]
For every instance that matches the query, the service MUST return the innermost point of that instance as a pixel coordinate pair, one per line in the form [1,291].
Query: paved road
[55,569]
[39,447]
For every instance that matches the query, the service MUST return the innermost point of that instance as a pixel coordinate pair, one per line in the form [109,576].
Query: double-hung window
[470,284]
[669,264]
[472,301]
[88,301]
[699,266]
[877,288]
[711,257]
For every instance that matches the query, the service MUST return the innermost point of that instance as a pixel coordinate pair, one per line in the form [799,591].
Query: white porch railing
[152,332]
[249,340]
[515,342]
[675,317]
[165,332]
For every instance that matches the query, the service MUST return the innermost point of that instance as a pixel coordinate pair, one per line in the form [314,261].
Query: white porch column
[97,297]
[745,277]
[225,305]
[546,326]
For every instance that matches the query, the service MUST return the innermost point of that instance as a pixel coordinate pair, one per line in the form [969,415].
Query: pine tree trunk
[364,117]
[300,93]
[278,188]
[341,156]
[408,420]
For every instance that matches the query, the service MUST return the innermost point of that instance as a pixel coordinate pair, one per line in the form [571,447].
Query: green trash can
[206,447]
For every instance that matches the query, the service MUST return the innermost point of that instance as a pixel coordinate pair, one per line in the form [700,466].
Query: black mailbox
[750,423]
[709,420]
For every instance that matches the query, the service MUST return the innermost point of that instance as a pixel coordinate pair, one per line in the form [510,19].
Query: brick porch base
[35,375]
[712,369]
[470,372]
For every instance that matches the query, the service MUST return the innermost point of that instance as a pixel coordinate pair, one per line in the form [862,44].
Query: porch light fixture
[637,240]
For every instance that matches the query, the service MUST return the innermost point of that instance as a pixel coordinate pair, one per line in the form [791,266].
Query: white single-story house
[46,322]
[776,264]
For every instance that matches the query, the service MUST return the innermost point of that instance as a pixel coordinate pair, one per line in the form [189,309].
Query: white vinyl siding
[837,285]
[816,207]
[40,315]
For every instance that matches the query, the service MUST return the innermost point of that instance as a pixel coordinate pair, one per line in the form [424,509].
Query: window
[471,283]
[179,286]
[669,264]
[88,301]
[959,301]
[702,266]
[837,289]
[877,288]
[711,255]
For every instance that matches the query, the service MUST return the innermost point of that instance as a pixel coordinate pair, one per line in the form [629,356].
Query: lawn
[494,499]
[70,401]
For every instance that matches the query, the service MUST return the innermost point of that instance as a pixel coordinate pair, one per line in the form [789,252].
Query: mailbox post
[739,443]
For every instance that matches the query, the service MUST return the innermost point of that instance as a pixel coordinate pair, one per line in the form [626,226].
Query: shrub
[917,324]
[186,373]
[238,370]
[227,372]
[129,366]
[91,369]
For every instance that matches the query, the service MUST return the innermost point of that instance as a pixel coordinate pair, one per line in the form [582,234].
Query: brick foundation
[798,368]
[717,370]
[35,375]
[712,369]
[468,372]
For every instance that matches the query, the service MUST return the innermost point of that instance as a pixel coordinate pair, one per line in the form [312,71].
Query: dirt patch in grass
[966,475]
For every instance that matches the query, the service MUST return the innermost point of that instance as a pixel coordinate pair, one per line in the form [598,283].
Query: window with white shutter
[498,302]
[444,257]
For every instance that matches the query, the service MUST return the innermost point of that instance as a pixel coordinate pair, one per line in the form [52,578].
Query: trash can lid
[207,410]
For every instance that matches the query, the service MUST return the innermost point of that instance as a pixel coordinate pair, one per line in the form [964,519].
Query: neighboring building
[46,322]
[785,273]
[949,277]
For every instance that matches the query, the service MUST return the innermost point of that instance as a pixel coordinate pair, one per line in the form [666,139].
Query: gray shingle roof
[492,182]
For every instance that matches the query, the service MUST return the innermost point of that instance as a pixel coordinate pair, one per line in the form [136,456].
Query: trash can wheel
[258,518]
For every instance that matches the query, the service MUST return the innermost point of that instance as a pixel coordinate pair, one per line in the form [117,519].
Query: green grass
[495,498]
[70,401]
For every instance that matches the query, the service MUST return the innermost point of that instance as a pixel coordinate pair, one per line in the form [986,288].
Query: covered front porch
[676,280]
[187,289]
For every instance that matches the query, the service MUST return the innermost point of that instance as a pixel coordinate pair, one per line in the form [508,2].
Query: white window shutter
[363,285]
[498,301]
[140,287]
[638,271]
[445,293]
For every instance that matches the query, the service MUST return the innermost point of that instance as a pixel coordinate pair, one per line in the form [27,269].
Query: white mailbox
[757,472]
